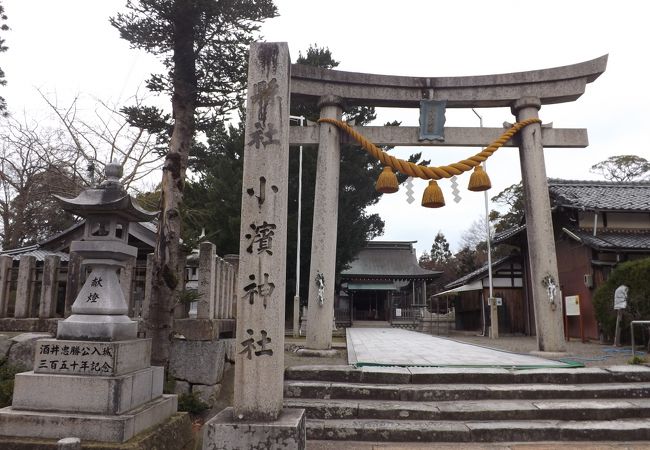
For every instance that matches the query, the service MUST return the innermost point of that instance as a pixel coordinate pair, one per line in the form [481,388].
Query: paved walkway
[398,347]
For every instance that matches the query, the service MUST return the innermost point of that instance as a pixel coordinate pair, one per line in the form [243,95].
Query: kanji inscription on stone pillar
[259,364]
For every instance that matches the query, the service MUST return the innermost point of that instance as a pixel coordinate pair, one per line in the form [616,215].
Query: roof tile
[600,195]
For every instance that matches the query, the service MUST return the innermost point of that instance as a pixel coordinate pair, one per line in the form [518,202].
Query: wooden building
[597,225]
[384,283]
[470,294]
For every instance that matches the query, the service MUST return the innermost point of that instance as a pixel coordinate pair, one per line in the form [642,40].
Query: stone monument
[94,381]
[257,418]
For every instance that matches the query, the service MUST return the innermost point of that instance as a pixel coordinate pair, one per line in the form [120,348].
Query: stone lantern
[100,311]
[95,380]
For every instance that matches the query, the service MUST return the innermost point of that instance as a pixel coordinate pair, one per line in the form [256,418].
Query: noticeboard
[572,305]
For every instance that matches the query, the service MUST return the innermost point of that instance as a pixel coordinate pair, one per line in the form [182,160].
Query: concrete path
[398,347]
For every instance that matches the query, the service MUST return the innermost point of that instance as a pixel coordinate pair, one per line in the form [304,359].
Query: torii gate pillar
[322,271]
[544,284]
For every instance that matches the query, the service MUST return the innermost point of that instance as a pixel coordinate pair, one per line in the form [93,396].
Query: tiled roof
[614,239]
[619,239]
[503,236]
[387,259]
[477,273]
[600,195]
[33,250]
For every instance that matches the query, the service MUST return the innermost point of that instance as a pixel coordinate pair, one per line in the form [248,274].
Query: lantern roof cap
[109,197]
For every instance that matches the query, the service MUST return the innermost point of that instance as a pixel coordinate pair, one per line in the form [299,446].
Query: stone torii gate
[523,92]
[272,81]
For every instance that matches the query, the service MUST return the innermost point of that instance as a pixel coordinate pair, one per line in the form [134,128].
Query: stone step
[606,409]
[469,375]
[478,431]
[450,392]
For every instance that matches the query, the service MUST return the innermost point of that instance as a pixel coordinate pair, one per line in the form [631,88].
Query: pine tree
[440,253]
[203,45]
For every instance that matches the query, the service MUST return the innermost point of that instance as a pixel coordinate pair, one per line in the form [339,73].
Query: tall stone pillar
[218,281]
[5,276]
[320,311]
[233,260]
[221,286]
[49,287]
[207,272]
[73,283]
[126,281]
[259,362]
[257,417]
[24,290]
[545,286]
[148,287]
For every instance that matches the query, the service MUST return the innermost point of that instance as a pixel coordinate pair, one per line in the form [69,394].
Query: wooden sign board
[572,305]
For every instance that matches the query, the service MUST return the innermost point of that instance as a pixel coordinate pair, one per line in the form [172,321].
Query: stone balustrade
[216,285]
[35,294]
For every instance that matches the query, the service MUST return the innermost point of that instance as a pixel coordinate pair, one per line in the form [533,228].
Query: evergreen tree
[213,201]
[440,253]
[467,260]
[203,45]
[440,259]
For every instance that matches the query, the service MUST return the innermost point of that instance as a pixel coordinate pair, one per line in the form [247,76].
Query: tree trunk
[167,265]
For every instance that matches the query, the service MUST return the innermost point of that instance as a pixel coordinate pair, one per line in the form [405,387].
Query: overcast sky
[67,48]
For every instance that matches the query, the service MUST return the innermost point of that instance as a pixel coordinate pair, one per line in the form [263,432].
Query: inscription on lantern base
[105,359]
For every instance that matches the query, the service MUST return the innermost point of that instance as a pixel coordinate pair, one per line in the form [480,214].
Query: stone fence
[34,295]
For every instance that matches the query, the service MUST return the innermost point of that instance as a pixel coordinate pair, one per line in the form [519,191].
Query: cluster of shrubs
[7,374]
[636,276]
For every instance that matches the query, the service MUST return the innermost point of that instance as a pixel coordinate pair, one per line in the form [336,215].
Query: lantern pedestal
[99,312]
[97,327]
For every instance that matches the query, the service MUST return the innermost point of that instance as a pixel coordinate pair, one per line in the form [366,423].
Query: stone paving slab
[464,375]
[472,410]
[445,392]
[373,430]
[478,431]
[398,347]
